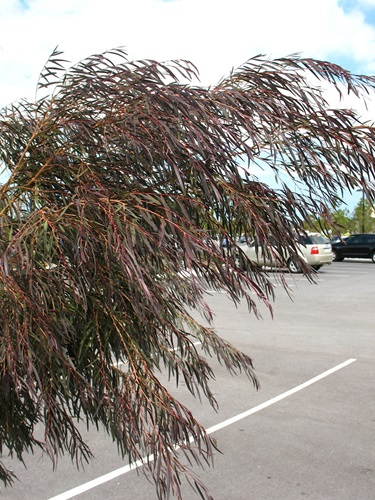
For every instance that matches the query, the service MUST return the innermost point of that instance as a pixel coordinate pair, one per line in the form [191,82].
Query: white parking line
[123,470]
[276,399]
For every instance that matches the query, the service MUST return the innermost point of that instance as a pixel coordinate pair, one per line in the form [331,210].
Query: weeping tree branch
[122,180]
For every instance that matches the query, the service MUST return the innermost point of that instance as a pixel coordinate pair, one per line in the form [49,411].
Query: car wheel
[373,257]
[316,267]
[335,257]
[293,266]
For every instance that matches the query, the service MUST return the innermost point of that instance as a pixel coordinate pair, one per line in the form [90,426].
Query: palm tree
[123,177]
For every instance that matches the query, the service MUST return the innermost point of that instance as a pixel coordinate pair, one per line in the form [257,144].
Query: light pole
[363,210]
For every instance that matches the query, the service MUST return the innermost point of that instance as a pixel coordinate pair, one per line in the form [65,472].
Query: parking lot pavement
[309,430]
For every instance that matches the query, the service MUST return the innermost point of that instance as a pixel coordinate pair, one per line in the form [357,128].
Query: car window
[361,239]
[368,238]
[271,242]
[312,239]
[318,239]
[304,240]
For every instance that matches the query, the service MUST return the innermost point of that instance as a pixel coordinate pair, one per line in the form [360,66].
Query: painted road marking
[123,470]
[276,399]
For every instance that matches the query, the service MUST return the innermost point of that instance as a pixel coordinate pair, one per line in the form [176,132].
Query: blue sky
[367,9]
[216,36]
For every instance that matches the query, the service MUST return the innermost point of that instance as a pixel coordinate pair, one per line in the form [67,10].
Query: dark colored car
[361,246]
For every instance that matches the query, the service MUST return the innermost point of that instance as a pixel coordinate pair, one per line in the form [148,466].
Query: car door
[355,247]
[255,253]
[368,244]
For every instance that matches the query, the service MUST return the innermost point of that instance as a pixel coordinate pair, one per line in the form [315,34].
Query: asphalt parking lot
[309,432]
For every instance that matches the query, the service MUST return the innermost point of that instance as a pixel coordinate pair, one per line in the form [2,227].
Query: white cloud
[216,36]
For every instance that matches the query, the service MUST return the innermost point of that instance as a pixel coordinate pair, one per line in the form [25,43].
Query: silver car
[314,249]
